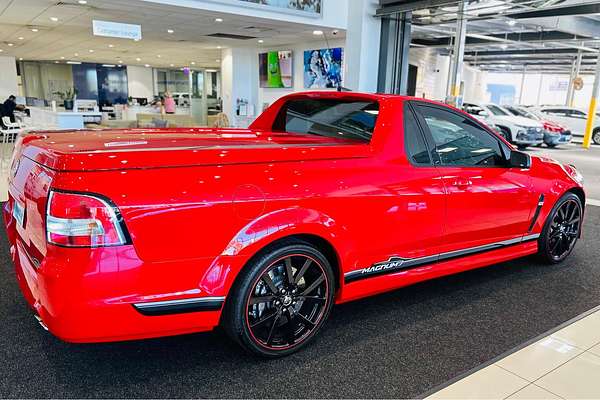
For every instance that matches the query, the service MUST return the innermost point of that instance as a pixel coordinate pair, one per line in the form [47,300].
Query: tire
[551,145]
[561,229]
[271,315]
[522,146]
[596,136]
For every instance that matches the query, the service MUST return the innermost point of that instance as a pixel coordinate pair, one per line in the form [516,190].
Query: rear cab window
[352,119]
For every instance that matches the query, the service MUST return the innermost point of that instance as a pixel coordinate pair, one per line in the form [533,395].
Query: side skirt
[398,264]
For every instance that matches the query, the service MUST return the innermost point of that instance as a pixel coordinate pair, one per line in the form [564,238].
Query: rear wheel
[281,300]
[561,230]
[596,136]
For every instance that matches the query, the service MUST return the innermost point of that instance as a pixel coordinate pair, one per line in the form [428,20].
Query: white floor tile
[489,383]
[534,361]
[584,333]
[595,350]
[533,392]
[577,379]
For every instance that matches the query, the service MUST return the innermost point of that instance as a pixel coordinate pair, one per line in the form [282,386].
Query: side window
[559,112]
[416,148]
[576,114]
[459,141]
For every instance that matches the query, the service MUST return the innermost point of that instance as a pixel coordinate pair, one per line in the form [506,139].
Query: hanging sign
[117,30]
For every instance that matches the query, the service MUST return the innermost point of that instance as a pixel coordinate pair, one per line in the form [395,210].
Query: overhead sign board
[117,30]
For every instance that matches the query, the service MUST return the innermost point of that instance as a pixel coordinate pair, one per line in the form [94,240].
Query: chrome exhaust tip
[39,320]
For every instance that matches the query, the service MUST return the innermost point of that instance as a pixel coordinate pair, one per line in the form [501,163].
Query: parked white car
[573,118]
[520,131]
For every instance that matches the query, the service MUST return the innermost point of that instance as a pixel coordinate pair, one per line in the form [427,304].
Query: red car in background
[327,198]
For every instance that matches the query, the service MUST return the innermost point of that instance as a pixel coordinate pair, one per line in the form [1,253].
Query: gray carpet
[395,345]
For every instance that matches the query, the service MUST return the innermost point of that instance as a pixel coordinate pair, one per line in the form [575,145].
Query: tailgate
[29,184]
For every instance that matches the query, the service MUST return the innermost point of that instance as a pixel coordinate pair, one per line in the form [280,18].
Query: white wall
[8,77]
[269,95]
[335,12]
[140,81]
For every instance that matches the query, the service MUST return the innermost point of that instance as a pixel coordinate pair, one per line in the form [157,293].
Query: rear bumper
[554,139]
[101,295]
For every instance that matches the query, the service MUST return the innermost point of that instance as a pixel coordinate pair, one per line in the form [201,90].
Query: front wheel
[281,300]
[561,230]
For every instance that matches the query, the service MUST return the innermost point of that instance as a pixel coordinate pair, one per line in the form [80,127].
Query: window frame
[504,148]
[407,108]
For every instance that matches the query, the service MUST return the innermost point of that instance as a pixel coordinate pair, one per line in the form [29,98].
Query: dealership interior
[520,329]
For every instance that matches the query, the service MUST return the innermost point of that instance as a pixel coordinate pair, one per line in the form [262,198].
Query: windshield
[496,110]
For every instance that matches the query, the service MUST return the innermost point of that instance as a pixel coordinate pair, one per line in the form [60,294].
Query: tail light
[83,220]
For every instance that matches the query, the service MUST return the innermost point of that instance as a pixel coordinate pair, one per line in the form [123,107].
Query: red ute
[326,198]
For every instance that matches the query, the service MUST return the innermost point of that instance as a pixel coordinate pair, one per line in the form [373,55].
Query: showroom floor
[400,344]
[564,364]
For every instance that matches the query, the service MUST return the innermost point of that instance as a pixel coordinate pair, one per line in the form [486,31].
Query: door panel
[486,202]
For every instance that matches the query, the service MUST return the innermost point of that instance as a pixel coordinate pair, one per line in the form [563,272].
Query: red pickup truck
[327,197]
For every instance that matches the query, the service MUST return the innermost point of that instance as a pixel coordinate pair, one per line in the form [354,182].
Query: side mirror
[519,160]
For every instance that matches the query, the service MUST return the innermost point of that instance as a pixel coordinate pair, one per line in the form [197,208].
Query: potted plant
[67,97]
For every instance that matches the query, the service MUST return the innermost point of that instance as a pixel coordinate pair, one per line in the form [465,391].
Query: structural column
[574,74]
[394,53]
[239,81]
[589,128]
[522,84]
[362,46]
[459,53]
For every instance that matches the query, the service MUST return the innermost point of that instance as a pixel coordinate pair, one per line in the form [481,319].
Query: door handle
[462,183]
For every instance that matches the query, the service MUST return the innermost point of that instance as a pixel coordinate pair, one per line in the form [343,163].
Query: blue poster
[323,68]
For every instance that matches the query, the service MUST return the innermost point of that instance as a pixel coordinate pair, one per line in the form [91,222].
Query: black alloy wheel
[562,229]
[282,300]
[596,136]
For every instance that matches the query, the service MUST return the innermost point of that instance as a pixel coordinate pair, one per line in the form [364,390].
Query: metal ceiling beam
[546,36]
[521,52]
[578,9]
[389,7]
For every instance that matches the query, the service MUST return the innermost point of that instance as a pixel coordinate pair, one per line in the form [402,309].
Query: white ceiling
[188,45]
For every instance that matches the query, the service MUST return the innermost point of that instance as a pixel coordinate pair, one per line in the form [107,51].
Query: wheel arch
[579,193]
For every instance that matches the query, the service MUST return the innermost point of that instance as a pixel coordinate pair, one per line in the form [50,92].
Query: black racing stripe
[377,269]
[150,309]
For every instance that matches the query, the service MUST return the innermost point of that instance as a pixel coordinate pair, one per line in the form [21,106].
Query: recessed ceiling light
[91,51]
[120,62]
[170,31]
[20,58]
[111,45]
[159,56]
[76,54]
[511,22]
[35,30]
[74,62]
[261,41]
[217,60]
[108,65]
[147,65]
[82,2]
[317,33]
[21,38]
[62,58]
[10,44]
[218,19]
[1,50]
[53,19]
[172,65]
[138,59]
[219,47]
[193,63]
[56,62]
